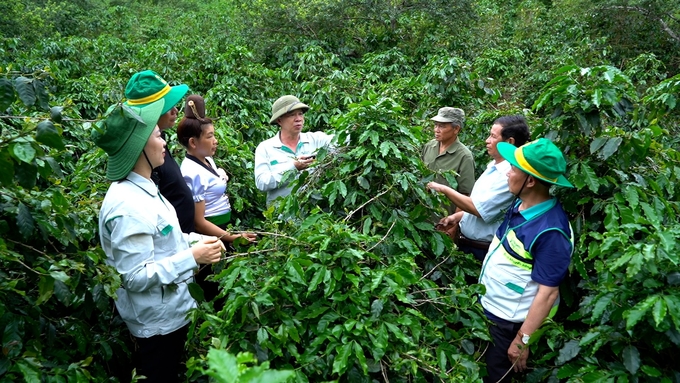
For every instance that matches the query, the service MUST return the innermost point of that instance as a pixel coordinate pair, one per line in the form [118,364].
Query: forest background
[348,282]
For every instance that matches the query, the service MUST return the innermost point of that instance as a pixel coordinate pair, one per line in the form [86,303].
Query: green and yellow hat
[147,87]
[123,135]
[540,158]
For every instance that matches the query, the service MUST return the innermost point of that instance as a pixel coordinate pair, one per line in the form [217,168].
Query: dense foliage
[348,281]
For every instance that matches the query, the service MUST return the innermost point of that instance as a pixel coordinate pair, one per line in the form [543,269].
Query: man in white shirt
[289,150]
[482,211]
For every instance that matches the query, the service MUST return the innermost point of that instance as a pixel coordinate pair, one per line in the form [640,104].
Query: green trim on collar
[539,209]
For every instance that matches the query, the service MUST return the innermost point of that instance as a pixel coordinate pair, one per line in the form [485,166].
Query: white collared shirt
[142,239]
[491,198]
[273,159]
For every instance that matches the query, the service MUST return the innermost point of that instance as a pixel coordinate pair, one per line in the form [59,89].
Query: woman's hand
[303,162]
[208,250]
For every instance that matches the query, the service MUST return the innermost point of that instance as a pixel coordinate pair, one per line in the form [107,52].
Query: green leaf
[651,371]
[25,220]
[223,366]
[376,308]
[26,174]
[340,362]
[24,151]
[29,372]
[632,196]
[45,288]
[590,178]
[316,279]
[631,359]
[597,144]
[6,168]
[41,94]
[597,96]
[7,95]
[634,315]
[601,305]
[568,352]
[659,311]
[367,225]
[361,357]
[589,337]
[611,218]
[47,134]
[650,213]
[55,114]
[25,90]
[196,292]
[361,180]
[611,147]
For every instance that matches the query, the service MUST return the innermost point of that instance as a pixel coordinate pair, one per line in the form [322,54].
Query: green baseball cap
[539,158]
[123,135]
[147,87]
[284,105]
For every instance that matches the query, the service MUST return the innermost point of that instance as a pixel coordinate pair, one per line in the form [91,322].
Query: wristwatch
[524,338]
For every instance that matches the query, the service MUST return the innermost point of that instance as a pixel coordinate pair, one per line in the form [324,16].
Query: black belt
[482,245]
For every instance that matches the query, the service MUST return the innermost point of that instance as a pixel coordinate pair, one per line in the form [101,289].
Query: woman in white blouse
[207,182]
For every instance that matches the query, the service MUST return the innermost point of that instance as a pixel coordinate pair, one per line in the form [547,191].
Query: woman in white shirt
[142,239]
[207,182]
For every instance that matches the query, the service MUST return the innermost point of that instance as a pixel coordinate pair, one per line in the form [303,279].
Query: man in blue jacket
[528,257]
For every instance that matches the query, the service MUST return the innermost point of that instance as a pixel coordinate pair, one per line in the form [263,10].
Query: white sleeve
[132,246]
[196,184]
[266,178]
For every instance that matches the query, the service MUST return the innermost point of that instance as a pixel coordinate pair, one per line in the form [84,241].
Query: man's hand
[249,236]
[435,186]
[208,251]
[303,162]
[451,219]
[518,352]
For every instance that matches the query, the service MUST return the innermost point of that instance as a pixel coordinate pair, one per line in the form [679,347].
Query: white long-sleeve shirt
[142,239]
[273,159]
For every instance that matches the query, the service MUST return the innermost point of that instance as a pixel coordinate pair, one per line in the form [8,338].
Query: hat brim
[174,96]
[121,163]
[440,119]
[283,111]
[507,151]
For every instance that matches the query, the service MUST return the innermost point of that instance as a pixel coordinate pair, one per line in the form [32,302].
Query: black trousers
[160,357]
[497,362]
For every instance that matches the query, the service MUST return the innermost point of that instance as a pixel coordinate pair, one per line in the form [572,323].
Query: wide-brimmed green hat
[284,105]
[147,87]
[123,135]
[540,158]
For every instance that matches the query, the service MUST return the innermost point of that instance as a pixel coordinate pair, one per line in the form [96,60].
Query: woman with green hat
[142,239]
[145,88]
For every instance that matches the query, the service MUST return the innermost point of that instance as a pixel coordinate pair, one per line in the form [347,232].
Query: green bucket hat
[540,158]
[147,86]
[284,105]
[123,135]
